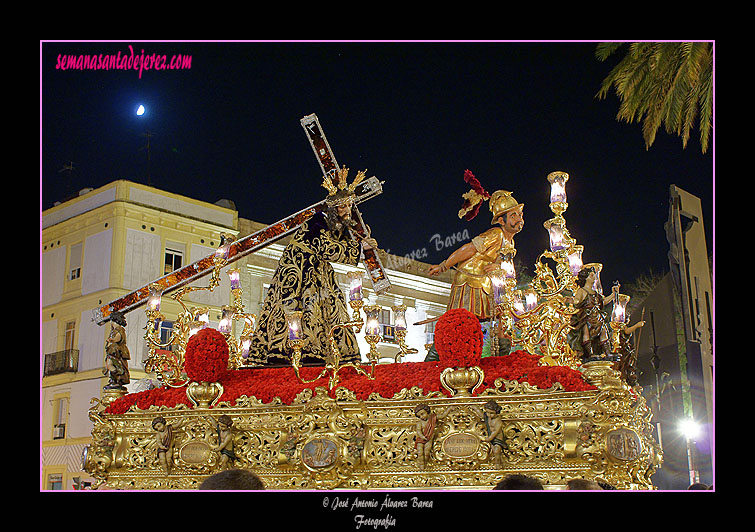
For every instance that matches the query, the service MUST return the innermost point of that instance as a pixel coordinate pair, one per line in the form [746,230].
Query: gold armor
[471,288]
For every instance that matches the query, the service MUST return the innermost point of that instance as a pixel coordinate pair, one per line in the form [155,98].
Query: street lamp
[690,429]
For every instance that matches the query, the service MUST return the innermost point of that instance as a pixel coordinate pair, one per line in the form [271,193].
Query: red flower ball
[458,339]
[206,357]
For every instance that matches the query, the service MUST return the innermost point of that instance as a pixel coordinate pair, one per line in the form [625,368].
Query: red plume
[474,198]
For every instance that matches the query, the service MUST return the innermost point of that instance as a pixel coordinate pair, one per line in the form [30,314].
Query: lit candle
[530,300]
[245,344]
[558,186]
[496,278]
[575,259]
[355,286]
[556,233]
[195,327]
[619,308]
[518,304]
[233,275]
[399,320]
[155,296]
[507,266]
[225,322]
[372,325]
[293,319]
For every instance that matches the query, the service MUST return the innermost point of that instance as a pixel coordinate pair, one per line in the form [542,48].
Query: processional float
[330,436]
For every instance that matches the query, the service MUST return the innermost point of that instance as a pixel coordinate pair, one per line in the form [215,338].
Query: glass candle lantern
[399,317]
[155,296]
[195,326]
[224,248]
[202,316]
[530,300]
[558,186]
[226,321]
[372,324]
[517,302]
[245,344]
[233,275]
[293,320]
[575,259]
[556,234]
[497,280]
[619,314]
[355,286]
[507,266]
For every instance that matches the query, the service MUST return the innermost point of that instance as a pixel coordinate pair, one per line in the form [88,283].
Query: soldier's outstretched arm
[463,253]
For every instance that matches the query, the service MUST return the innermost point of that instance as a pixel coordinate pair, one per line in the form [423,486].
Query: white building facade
[115,239]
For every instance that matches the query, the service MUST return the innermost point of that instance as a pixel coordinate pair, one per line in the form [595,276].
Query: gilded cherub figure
[164,438]
[425,431]
[491,415]
[224,426]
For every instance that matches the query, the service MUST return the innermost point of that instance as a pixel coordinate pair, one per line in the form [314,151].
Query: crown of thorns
[341,192]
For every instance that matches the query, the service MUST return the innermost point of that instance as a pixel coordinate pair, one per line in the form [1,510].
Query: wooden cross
[367,189]
[329,167]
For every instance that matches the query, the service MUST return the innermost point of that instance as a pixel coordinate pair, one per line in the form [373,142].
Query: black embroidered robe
[305,281]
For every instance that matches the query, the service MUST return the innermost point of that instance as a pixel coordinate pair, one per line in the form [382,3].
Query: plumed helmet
[501,201]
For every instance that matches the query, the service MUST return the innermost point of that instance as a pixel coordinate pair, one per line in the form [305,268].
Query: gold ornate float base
[319,442]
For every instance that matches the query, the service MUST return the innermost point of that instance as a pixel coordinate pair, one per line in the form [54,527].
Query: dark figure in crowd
[231,480]
[581,484]
[519,482]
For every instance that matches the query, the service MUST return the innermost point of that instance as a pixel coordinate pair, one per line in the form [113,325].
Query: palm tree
[663,83]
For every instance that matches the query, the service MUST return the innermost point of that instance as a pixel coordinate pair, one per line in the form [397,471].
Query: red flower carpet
[268,383]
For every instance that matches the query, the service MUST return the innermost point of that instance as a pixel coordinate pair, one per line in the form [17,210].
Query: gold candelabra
[618,320]
[399,322]
[166,359]
[372,334]
[539,319]
[333,363]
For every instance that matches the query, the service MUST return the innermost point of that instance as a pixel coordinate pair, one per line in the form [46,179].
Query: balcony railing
[66,361]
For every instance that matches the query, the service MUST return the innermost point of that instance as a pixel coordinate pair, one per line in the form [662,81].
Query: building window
[70,334]
[173,259]
[61,413]
[74,262]
[389,333]
[166,328]
[55,482]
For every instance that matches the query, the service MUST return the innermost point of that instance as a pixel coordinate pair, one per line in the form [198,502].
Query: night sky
[415,115]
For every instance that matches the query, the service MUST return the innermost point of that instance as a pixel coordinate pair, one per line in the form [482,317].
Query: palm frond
[662,84]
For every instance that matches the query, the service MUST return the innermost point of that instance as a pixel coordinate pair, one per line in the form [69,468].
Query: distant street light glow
[689,428]
[140,111]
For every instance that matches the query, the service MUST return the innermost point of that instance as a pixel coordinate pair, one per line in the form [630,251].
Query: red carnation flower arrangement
[458,339]
[206,356]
